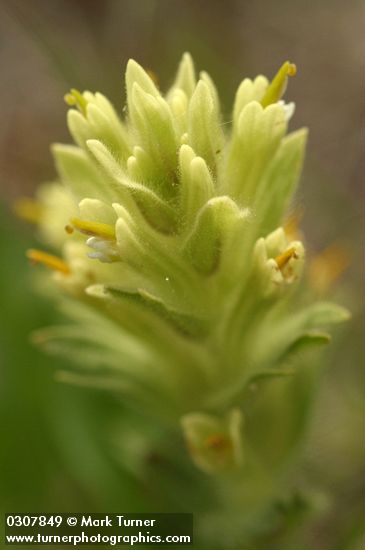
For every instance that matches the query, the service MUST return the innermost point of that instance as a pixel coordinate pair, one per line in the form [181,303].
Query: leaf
[99,121]
[185,79]
[254,143]
[322,313]
[214,226]
[155,210]
[279,182]
[248,90]
[270,373]
[79,174]
[187,325]
[96,210]
[155,131]
[308,340]
[172,353]
[135,74]
[297,332]
[204,129]
[197,186]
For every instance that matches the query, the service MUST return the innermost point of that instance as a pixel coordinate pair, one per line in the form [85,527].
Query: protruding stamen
[75,99]
[49,260]
[28,209]
[277,87]
[94,229]
[284,258]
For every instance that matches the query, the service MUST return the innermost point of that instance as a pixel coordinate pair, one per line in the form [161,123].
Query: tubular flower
[184,286]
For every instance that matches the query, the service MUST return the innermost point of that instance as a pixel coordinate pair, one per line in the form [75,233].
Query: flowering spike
[180,271]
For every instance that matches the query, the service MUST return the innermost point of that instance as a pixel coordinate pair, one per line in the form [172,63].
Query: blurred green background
[54,454]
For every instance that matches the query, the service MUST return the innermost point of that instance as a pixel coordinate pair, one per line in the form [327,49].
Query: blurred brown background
[48,46]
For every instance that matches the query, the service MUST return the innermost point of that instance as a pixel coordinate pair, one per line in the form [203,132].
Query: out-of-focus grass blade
[51,42]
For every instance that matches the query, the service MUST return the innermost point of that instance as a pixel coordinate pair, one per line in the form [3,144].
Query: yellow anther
[277,87]
[284,258]
[28,209]
[75,99]
[49,260]
[94,229]
[292,69]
